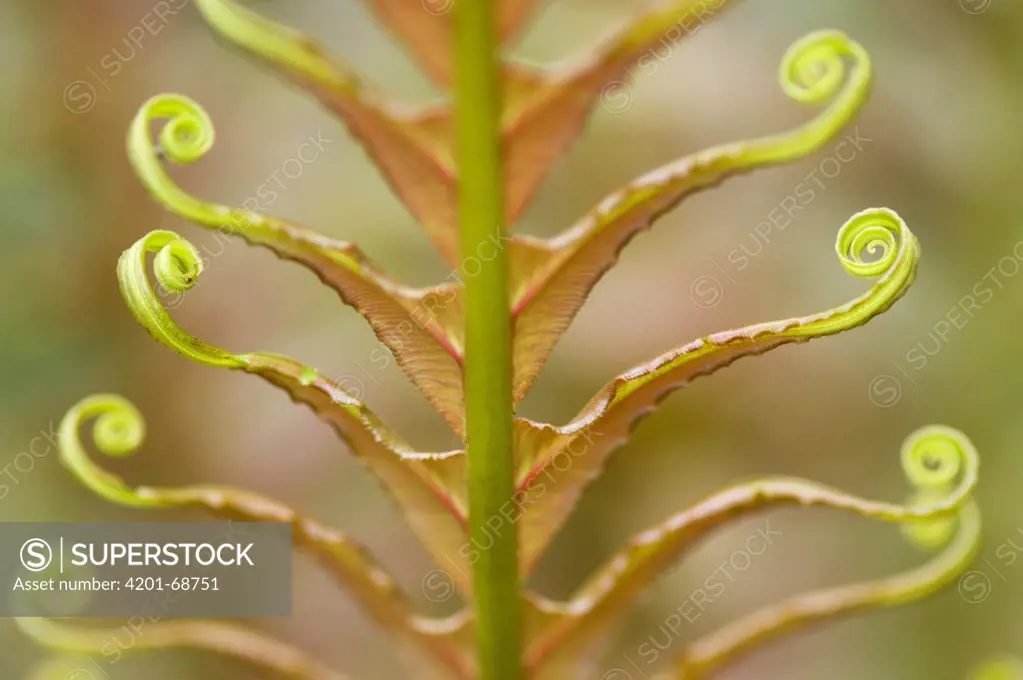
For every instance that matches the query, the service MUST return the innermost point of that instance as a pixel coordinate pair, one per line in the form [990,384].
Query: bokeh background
[944,150]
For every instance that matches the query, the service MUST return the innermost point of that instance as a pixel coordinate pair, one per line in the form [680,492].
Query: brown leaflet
[413,153]
[559,104]
[424,28]
[547,295]
[422,328]
[413,150]
[429,488]
[512,16]
[349,563]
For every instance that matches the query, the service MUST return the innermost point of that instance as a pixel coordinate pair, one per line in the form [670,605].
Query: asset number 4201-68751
[183,583]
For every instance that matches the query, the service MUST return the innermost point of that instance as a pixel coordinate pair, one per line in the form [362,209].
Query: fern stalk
[488,360]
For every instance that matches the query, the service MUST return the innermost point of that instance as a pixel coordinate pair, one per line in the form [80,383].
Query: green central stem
[488,367]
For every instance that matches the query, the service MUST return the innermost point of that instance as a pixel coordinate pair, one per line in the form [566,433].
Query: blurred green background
[943,149]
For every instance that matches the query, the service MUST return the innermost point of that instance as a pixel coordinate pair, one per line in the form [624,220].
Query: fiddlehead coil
[933,458]
[824,66]
[874,243]
[935,455]
[875,232]
[118,430]
[815,66]
[185,137]
[177,266]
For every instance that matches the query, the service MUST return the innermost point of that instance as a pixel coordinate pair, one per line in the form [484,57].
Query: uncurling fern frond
[429,488]
[933,457]
[712,652]
[119,430]
[556,463]
[512,123]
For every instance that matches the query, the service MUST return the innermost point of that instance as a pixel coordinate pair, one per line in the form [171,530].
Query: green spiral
[933,458]
[815,66]
[177,266]
[186,135]
[119,430]
[876,232]
[824,66]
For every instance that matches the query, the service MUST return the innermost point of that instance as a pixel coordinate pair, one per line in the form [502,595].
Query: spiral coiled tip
[121,430]
[178,265]
[188,133]
[933,457]
[814,67]
[118,430]
[877,233]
